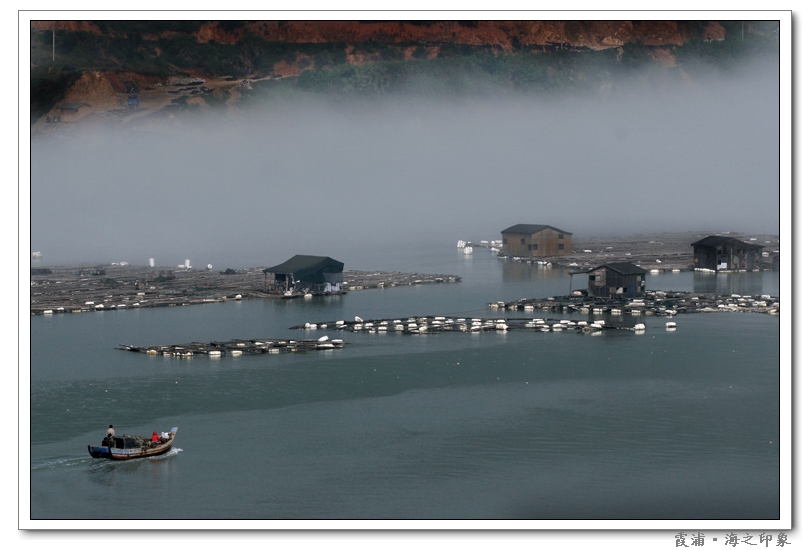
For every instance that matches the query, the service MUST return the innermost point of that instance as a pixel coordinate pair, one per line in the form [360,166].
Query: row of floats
[436,324]
[634,307]
[413,325]
[237,347]
[658,303]
[92,306]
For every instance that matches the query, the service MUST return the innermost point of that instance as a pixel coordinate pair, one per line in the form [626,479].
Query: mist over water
[345,178]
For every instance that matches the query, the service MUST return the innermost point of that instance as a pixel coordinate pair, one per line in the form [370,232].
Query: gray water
[522,425]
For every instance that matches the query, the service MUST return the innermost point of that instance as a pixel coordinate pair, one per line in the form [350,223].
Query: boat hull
[116,453]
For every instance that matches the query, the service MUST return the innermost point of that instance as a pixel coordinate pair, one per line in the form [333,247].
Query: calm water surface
[665,425]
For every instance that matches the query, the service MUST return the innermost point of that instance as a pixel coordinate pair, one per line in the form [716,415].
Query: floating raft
[659,303]
[237,347]
[439,324]
[91,287]
[652,303]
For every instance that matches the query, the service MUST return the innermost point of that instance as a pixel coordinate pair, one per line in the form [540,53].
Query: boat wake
[64,462]
[171,453]
[94,463]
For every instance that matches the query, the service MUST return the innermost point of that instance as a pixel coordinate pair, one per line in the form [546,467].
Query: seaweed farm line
[664,304]
[439,324]
[82,288]
[237,347]
[653,303]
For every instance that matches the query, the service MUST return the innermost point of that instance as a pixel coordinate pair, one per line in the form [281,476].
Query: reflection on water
[731,283]
[745,283]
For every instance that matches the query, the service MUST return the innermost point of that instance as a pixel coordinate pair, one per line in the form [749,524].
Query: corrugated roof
[625,268]
[719,240]
[303,266]
[531,229]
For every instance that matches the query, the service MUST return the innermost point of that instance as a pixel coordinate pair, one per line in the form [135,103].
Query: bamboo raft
[237,347]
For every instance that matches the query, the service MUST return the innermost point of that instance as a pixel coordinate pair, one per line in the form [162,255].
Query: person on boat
[155,438]
[107,441]
[110,431]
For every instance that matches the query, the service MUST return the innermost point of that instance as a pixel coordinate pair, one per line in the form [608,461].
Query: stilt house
[617,280]
[720,253]
[536,241]
[301,274]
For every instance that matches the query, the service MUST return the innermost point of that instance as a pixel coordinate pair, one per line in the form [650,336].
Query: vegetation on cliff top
[166,48]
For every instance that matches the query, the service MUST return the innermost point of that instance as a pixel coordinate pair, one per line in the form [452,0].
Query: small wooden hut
[71,112]
[536,241]
[617,280]
[301,274]
[720,253]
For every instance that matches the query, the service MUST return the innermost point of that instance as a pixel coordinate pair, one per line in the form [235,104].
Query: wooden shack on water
[719,253]
[617,280]
[301,274]
[536,241]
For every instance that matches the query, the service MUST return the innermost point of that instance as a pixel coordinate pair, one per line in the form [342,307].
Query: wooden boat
[126,447]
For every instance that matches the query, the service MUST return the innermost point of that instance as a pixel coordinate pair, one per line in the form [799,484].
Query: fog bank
[328,178]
